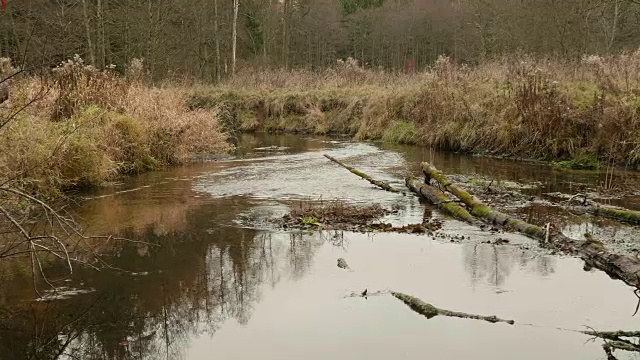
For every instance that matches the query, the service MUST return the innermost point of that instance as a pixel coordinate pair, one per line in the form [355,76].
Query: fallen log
[616,340]
[430,311]
[592,251]
[619,214]
[587,206]
[381,184]
[439,199]
[478,208]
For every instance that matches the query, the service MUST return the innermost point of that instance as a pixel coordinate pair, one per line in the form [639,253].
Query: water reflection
[189,285]
[211,272]
[492,264]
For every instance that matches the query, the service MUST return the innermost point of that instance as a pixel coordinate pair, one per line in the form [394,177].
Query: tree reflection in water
[492,264]
[189,285]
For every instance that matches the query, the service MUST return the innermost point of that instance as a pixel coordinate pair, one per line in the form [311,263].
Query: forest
[207,40]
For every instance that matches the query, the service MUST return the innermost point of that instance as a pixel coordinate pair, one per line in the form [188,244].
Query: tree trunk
[285,33]
[217,34]
[592,251]
[440,199]
[102,61]
[91,51]
[381,184]
[234,45]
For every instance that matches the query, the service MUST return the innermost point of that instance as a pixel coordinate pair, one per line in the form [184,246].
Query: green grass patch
[583,161]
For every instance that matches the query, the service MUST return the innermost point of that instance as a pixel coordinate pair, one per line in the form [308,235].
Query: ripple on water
[306,175]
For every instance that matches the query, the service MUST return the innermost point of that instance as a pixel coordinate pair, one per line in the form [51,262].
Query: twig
[546,237]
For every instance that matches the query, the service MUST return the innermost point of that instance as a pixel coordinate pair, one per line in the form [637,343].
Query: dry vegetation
[520,107]
[78,127]
[333,212]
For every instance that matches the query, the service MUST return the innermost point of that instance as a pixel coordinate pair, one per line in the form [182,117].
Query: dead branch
[381,184]
[430,311]
[592,251]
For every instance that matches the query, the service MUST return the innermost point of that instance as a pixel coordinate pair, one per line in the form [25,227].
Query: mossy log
[430,311]
[381,184]
[593,252]
[612,335]
[623,215]
[617,340]
[439,199]
[478,208]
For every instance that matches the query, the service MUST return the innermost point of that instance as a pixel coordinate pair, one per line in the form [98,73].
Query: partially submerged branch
[616,340]
[439,199]
[430,311]
[619,214]
[381,184]
[478,208]
[591,251]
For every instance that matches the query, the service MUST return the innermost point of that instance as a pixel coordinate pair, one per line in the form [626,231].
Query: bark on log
[593,252]
[430,311]
[381,184]
[623,215]
[439,199]
[478,208]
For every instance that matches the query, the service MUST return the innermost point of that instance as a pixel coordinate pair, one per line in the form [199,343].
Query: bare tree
[234,46]
[90,49]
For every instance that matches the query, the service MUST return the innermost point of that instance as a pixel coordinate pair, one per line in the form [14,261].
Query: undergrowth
[519,107]
[86,127]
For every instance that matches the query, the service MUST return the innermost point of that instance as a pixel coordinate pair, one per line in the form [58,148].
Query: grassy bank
[538,109]
[79,127]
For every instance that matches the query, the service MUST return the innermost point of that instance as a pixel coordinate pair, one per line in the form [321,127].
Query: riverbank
[582,115]
[81,128]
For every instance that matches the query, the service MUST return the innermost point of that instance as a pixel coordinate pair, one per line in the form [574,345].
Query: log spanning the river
[439,199]
[381,184]
[593,252]
[617,340]
[619,214]
[478,208]
[430,311]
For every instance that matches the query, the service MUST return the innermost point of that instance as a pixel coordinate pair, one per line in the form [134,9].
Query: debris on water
[498,241]
[62,293]
[334,214]
[271,148]
[426,227]
[340,215]
[342,264]
[430,311]
[360,294]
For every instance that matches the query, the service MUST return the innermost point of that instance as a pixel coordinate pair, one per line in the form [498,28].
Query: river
[207,275]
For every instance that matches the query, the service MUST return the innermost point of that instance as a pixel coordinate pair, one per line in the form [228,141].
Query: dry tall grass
[518,106]
[88,126]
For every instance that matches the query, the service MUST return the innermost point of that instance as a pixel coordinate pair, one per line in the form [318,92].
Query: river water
[208,276]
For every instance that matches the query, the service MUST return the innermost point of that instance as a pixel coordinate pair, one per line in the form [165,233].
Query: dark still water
[208,277]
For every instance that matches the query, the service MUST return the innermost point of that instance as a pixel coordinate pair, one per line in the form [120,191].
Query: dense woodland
[195,38]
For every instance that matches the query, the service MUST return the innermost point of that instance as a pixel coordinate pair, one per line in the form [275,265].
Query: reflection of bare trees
[493,263]
[193,283]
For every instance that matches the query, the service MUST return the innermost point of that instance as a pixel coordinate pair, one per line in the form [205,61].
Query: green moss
[629,216]
[401,132]
[582,161]
[481,210]
[417,305]
[534,231]
[458,212]
[309,220]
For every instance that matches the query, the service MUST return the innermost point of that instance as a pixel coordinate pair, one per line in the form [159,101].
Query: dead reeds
[519,106]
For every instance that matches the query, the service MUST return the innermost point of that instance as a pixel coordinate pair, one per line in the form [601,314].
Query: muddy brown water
[225,284]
